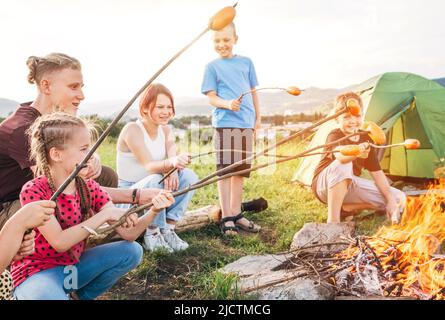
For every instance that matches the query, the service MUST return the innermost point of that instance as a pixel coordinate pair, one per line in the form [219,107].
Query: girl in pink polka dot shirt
[61,267]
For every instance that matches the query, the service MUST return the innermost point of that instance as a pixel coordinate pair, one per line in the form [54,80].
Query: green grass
[193,274]
[107,152]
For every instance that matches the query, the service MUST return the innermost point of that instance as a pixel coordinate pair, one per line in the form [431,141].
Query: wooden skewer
[291,90]
[204,182]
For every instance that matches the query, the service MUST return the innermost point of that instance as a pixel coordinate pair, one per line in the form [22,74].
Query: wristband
[91,231]
[138,196]
[133,196]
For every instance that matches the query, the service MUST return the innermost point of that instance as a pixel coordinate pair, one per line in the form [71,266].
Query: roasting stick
[203,183]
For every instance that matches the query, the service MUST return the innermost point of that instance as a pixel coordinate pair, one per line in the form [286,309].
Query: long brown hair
[55,130]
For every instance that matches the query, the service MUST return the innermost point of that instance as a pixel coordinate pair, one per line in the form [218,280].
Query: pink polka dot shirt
[69,215]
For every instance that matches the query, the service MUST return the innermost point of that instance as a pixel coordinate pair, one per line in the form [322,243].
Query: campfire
[398,261]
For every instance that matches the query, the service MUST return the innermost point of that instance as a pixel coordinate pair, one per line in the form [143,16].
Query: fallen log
[192,220]
[196,219]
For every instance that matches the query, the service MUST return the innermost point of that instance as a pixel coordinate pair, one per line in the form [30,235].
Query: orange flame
[407,251]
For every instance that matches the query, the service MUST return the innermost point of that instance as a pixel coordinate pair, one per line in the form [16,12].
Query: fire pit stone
[317,233]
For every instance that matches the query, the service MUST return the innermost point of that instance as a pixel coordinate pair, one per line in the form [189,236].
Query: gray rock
[252,265]
[255,272]
[259,275]
[318,233]
[298,289]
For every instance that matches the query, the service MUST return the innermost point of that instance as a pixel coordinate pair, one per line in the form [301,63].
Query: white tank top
[127,165]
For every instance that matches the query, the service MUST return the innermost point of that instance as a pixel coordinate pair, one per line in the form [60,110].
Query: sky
[122,43]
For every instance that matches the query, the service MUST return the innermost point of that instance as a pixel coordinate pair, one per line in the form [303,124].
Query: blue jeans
[175,211]
[98,269]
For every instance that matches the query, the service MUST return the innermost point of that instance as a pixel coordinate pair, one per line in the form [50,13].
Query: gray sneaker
[172,239]
[155,241]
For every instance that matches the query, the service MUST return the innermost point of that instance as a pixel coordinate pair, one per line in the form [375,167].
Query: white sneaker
[155,241]
[176,243]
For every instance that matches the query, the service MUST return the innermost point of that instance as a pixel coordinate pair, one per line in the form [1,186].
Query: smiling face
[223,42]
[73,150]
[65,89]
[349,123]
[162,111]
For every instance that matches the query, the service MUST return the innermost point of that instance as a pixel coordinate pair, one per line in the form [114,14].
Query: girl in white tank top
[146,150]
[128,166]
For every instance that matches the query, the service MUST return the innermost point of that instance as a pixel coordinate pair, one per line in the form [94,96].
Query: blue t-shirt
[229,78]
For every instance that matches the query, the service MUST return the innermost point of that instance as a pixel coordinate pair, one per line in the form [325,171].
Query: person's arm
[62,240]
[172,181]
[253,82]
[364,147]
[218,102]
[134,140]
[12,242]
[139,225]
[209,88]
[382,184]
[120,195]
[342,158]
[170,142]
[126,195]
[256,105]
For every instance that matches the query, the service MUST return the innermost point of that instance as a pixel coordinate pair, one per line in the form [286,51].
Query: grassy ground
[193,274]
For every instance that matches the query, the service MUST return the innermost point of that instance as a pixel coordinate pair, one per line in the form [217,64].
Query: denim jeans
[98,269]
[175,211]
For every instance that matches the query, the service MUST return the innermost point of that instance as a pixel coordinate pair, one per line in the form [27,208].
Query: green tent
[406,106]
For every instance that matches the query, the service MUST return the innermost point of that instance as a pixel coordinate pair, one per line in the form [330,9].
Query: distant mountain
[106,109]
[7,106]
[440,81]
[272,102]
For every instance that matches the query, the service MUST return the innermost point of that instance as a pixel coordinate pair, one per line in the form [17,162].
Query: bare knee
[341,184]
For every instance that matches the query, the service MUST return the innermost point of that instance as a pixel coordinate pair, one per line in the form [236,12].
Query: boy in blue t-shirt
[225,79]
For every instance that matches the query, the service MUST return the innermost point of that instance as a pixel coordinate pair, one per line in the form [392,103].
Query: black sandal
[224,228]
[252,227]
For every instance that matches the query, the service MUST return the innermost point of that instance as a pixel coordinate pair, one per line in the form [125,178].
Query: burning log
[398,262]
